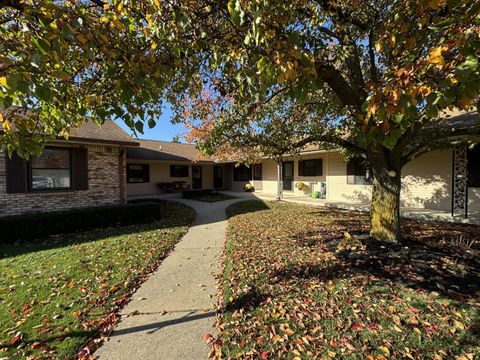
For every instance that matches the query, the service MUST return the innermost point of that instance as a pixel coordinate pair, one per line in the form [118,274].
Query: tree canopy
[389,68]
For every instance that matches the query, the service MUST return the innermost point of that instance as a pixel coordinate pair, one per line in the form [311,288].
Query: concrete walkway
[173,310]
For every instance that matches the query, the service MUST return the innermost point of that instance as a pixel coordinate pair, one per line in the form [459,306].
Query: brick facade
[106,185]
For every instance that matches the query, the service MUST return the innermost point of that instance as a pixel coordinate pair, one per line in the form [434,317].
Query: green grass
[287,293]
[57,293]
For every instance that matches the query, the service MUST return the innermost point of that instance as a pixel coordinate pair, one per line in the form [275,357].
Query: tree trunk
[385,208]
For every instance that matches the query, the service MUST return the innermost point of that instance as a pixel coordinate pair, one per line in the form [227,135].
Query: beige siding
[312,182]
[473,200]
[269,177]
[207,176]
[160,172]
[427,181]
[337,188]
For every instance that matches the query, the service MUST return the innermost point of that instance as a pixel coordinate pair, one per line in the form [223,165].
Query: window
[257,172]
[312,167]
[241,173]
[473,167]
[359,172]
[138,173]
[51,170]
[178,170]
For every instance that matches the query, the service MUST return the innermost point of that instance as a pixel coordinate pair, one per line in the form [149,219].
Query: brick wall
[105,168]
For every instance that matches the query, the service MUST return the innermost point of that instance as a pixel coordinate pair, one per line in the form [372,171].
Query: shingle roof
[166,151]
[108,132]
[172,151]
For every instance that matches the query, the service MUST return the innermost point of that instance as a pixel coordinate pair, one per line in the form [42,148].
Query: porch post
[279,180]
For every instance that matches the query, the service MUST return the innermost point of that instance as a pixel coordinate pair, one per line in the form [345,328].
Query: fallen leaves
[289,294]
[72,287]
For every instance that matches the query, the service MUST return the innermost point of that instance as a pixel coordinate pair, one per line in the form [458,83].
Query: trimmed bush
[192,194]
[40,225]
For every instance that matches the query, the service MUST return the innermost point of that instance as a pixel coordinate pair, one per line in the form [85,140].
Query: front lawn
[55,294]
[288,293]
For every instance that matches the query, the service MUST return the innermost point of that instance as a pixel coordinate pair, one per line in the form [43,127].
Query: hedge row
[40,225]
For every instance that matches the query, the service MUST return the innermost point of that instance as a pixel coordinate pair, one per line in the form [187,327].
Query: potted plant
[248,187]
[301,185]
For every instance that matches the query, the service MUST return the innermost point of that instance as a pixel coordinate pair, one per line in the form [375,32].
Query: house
[86,170]
[435,181]
[99,166]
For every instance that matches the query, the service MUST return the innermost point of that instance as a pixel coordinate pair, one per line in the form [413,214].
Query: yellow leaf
[157,3]
[372,108]
[459,325]
[3,81]
[120,7]
[378,46]
[6,125]
[384,350]
[149,18]
[154,46]
[435,56]
[331,354]
[347,235]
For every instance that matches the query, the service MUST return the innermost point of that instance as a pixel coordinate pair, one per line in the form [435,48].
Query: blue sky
[164,130]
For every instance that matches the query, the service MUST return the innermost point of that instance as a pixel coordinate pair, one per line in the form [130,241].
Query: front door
[196,177]
[287,175]
[217,177]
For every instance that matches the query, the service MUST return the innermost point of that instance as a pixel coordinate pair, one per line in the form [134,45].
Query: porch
[407,212]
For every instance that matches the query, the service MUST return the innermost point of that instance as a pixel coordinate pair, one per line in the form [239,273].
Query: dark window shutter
[318,167]
[80,168]
[16,171]
[300,168]
[351,172]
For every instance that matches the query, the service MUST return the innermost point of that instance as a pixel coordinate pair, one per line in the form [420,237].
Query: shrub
[193,194]
[351,243]
[40,225]
[248,187]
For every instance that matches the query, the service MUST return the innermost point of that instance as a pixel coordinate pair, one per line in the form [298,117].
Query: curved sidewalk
[173,310]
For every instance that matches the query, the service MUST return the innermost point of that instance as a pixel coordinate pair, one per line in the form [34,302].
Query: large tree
[62,62]
[396,67]
[393,65]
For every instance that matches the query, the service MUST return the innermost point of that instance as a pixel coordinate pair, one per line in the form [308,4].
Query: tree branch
[18,5]
[340,86]
[371,54]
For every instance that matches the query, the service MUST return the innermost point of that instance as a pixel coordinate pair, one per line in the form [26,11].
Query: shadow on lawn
[251,299]
[60,241]
[454,273]
[246,206]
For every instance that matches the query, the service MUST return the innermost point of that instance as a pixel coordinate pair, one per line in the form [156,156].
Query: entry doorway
[196,177]
[287,172]
[217,177]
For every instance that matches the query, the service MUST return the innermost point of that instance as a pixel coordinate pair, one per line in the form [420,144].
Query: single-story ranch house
[102,165]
